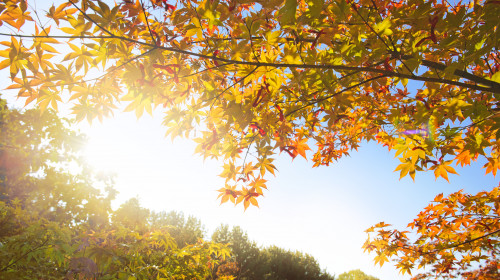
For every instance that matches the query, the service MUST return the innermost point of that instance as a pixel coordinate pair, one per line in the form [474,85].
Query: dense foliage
[251,79]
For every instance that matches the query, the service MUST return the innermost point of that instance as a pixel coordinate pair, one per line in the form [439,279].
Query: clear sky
[321,211]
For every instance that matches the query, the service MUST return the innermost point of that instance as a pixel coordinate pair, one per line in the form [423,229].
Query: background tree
[246,254]
[355,275]
[249,80]
[131,215]
[185,231]
[284,264]
[272,263]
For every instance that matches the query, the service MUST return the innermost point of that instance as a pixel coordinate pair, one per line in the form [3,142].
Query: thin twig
[335,94]
[226,89]
[462,243]
[147,22]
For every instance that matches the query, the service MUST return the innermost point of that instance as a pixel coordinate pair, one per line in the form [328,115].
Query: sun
[106,153]
[118,145]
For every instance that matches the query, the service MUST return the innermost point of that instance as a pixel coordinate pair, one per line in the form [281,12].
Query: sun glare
[148,165]
[120,144]
[107,153]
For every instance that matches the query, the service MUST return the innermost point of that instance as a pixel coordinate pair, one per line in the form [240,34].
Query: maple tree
[248,80]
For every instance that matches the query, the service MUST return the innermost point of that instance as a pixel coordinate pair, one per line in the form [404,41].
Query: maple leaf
[228,193]
[299,147]
[442,170]
[60,12]
[380,259]
[492,165]
[407,167]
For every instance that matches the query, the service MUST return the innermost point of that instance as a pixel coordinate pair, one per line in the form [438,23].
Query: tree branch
[462,243]
[495,89]
[457,72]
[226,89]
[336,93]
[24,255]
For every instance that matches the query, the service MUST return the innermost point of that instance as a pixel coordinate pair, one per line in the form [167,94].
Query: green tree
[246,253]
[45,210]
[272,263]
[286,265]
[131,215]
[185,231]
[356,274]
[54,224]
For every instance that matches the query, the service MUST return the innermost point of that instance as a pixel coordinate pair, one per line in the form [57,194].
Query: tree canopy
[270,263]
[248,80]
[355,275]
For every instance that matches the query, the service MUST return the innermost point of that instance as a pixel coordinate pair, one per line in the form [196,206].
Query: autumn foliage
[250,80]
[453,233]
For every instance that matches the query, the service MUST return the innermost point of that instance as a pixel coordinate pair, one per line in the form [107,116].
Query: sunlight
[100,154]
[147,164]
[107,152]
[123,144]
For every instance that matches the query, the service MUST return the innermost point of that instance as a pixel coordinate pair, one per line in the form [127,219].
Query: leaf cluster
[452,235]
